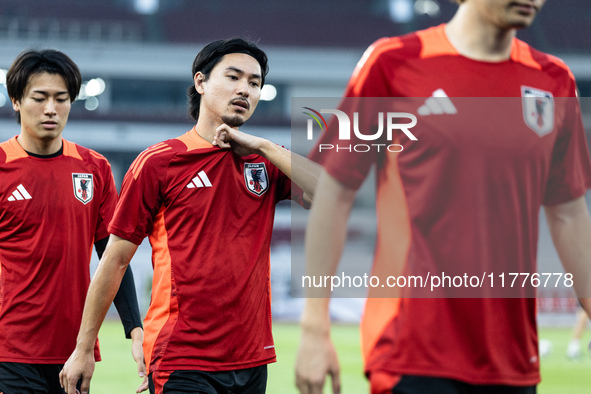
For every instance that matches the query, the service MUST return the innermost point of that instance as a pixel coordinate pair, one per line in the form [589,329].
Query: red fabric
[159,379]
[471,187]
[210,305]
[382,382]
[45,249]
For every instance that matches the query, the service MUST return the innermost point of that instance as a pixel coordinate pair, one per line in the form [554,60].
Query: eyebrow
[46,93]
[239,71]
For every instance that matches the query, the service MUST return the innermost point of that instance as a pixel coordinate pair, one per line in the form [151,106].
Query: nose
[243,88]
[50,107]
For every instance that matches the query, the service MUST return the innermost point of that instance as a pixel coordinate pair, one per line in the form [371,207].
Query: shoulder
[388,48]
[85,154]
[419,44]
[4,152]
[548,66]
[553,65]
[92,161]
[11,150]
[156,156]
[385,56]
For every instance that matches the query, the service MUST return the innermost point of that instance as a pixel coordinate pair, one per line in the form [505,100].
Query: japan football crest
[257,180]
[538,110]
[83,187]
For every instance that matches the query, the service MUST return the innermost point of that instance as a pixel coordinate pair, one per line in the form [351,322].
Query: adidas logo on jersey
[201,180]
[20,194]
[438,104]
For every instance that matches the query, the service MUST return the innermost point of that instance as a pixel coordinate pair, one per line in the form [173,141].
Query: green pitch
[117,372]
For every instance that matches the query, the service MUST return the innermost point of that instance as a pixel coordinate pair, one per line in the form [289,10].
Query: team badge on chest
[256,178]
[538,110]
[83,187]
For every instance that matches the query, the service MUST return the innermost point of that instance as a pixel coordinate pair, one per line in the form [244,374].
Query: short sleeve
[286,190]
[370,79]
[108,201]
[570,169]
[140,198]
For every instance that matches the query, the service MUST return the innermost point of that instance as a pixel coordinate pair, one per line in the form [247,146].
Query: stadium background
[135,57]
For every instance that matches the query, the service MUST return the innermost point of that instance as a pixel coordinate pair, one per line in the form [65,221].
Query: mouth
[240,104]
[49,125]
[525,8]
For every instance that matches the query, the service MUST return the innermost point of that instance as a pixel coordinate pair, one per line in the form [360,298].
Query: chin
[233,121]
[520,21]
[523,23]
[517,23]
[49,135]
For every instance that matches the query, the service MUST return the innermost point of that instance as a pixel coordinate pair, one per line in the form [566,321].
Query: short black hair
[31,62]
[211,55]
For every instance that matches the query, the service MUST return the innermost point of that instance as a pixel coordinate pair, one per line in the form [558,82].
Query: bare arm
[325,239]
[101,293]
[304,173]
[127,306]
[570,228]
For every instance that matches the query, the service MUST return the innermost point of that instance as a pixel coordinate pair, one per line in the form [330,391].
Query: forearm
[127,305]
[325,239]
[570,228]
[303,172]
[102,290]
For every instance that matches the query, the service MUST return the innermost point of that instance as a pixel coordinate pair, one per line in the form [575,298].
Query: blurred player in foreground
[57,199]
[459,196]
[206,200]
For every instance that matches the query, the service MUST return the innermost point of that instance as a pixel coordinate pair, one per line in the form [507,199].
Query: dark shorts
[243,381]
[18,378]
[429,385]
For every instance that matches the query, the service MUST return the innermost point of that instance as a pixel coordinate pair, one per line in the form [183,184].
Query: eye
[254,84]
[233,77]
[37,100]
[61,100]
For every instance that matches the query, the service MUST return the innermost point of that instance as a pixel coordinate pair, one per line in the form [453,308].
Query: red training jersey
[51,212]
[467,193]
[209,217]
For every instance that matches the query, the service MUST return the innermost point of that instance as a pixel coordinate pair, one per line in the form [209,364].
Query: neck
[205,129]
[479,39]
[39,147]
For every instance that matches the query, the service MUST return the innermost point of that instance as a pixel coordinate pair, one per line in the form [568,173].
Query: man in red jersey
[56,200]
[206,200]
[459,196]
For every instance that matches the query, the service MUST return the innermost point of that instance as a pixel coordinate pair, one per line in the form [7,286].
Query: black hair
[212,54]
[31,62]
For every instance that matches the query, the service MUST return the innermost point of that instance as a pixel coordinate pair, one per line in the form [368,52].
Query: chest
[222,185]
[35,194]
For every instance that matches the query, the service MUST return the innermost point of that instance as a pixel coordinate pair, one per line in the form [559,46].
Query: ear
[199,81]
[16,105]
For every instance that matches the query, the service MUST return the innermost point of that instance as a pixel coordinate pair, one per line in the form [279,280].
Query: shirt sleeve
[286,190]
[570,169]
[370,79]
[108,202]
[140,198]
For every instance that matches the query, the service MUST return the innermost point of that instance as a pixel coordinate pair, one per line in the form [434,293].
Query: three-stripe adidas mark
[439,103]
[201,180]
[20,194]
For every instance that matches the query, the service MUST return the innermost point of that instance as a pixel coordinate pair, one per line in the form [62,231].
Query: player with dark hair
[210,56]
[466,194]
[206,200]
[56,200]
